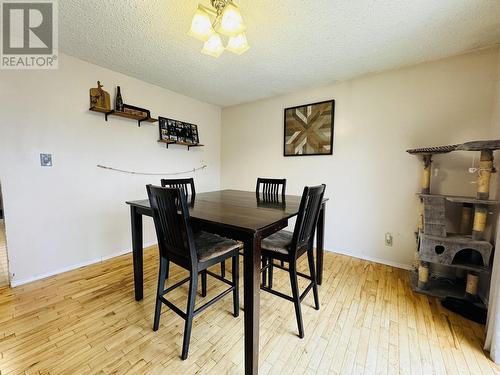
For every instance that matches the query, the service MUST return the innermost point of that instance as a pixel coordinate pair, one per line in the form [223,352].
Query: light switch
[46,160]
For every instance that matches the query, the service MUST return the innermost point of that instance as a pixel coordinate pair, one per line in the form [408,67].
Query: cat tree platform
[457,251]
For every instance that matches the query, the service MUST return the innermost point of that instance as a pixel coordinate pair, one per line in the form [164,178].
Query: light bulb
[213,46]
[201,26]
[238,44]
[231,22]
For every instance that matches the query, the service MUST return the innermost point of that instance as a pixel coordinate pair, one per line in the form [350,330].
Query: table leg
[251,267]
[137,250]
[320,239]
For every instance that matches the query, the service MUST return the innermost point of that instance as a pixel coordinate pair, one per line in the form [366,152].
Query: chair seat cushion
[278,242]
[210,245]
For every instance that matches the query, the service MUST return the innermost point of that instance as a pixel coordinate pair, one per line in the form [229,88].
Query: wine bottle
[119,100]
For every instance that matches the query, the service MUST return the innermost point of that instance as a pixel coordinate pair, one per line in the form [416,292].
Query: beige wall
[495,126]
[74,213]
[370,179]
[495,118]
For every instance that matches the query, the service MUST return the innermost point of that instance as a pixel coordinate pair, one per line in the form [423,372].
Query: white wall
[75,213]
[370,179]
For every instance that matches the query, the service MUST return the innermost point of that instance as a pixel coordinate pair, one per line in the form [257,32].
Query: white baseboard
[376,260]
[72,267]
[14,283]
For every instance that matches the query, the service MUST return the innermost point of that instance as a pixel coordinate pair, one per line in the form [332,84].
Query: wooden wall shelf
[112,112]
[189,145]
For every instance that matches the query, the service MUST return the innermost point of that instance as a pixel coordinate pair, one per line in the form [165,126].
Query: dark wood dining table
[243,216]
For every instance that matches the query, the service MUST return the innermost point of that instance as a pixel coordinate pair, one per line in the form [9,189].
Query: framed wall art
[308,129]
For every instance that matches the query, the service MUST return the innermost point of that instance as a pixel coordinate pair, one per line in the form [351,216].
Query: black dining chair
[271,187]
[288,247]
[187,186]
[270,190]
[194,252]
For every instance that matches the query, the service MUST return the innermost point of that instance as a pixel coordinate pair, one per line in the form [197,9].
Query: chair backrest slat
[171,219]
[271,187]
[307,218]
[186,184]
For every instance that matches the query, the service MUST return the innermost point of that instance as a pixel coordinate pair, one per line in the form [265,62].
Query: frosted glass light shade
[201,26]
[213,46]
[231,21]
[238,44]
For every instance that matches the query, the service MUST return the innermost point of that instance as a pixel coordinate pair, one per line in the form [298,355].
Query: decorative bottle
[119,100]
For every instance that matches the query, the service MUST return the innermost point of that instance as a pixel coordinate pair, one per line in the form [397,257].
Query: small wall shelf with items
[465,252]
[111,112]
[174,132]
[99,102]
[189,145]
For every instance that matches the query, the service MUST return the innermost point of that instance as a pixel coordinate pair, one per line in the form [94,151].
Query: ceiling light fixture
[213,46]
[227,21]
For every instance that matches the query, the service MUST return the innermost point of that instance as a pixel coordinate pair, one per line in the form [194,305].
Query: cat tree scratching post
[479,226]
[426,186]
[466,252]
[426,175]
[426,153]
[485,171]
[483,184]
[465,222]
[483,192]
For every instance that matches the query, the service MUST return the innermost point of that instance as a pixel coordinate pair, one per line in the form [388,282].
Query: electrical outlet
[388,239]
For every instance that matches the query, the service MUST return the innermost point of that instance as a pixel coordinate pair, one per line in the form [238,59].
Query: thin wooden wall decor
[308,129]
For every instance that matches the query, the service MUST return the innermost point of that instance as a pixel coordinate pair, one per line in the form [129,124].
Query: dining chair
[271,187]
[194,252]
[273,191]
[290,246]
[185,184]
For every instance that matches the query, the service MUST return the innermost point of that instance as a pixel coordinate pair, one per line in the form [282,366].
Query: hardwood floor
[87,322]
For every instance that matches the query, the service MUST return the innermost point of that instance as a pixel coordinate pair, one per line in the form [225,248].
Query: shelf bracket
[106,114]
[141,120]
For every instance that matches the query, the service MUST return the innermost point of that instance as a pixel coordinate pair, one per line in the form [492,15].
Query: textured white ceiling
[295,44]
